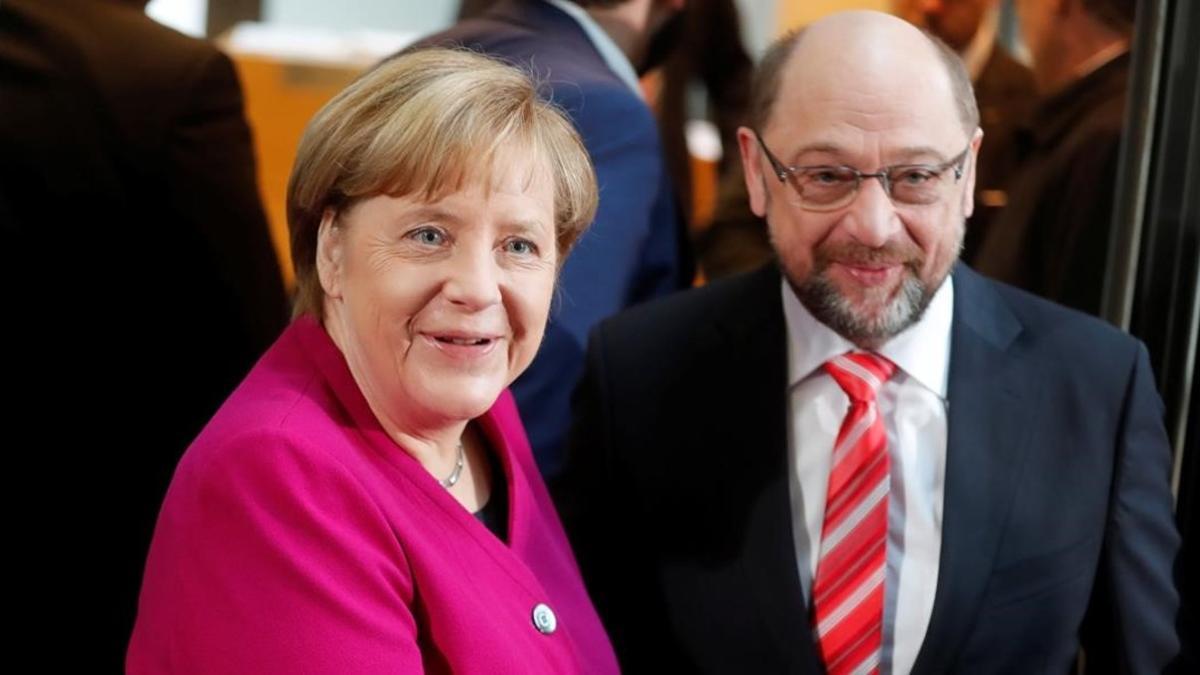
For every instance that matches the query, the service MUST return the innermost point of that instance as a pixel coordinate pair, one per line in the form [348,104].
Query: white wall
[759,20]
[185,16]
[417,16]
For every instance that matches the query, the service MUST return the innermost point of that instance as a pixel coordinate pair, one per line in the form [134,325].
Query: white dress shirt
[913,406]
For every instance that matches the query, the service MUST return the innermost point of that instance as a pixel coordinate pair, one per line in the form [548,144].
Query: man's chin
[866,317]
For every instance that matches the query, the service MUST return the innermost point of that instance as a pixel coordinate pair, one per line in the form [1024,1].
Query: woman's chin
[460,398]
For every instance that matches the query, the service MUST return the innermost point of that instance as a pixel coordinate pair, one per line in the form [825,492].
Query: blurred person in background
[366,500]
[1053,237]
[710,56]
[588,54]
[1004,91]
[150,285]
[710,65]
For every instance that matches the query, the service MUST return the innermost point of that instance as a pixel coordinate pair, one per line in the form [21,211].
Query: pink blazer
[296,537]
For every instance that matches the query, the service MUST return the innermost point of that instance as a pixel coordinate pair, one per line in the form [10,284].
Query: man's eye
[827,177]
[914,176]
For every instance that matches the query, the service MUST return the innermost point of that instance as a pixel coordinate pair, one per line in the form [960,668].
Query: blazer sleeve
[271,557]
[213,187]
[1131,625]
[629,254]
[633,243]
[637,198]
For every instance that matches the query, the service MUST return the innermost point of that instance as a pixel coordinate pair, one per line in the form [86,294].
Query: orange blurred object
[280,99]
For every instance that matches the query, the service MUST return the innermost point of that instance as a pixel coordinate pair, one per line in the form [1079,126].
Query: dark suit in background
[148,286]
[634,250]
[1006,95]
[1057,499]
[1052,239]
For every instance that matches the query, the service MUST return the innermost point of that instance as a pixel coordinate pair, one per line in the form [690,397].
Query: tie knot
[860,374]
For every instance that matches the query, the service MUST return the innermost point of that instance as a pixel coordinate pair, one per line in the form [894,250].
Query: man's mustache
[856,254]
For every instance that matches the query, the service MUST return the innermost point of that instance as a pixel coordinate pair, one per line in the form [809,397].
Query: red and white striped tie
[847,595]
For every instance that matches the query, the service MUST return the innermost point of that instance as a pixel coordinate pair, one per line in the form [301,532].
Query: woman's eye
[520,247]
[427,235]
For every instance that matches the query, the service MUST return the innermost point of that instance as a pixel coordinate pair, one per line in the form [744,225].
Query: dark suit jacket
[148,281]
[1053,237]
[633,250]
[1057,504]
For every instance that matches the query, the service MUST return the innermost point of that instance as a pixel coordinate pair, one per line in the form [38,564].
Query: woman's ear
[330,247]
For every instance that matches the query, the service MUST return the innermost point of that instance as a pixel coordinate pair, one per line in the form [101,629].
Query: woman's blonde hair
[426,123]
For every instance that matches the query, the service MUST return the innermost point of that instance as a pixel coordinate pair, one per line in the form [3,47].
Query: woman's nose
[472,278]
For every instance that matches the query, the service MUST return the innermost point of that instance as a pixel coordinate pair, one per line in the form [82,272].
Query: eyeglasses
[827,188]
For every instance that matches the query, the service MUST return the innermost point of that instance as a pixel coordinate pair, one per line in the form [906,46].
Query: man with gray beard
[865,457]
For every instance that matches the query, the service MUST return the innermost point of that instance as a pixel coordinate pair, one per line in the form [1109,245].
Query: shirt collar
[922,351]
[1101,58]
[609,51]
[979,50]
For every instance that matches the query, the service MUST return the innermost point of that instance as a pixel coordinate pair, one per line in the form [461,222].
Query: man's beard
[905,306]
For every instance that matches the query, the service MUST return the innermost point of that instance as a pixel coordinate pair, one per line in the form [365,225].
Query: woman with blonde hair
[366,501]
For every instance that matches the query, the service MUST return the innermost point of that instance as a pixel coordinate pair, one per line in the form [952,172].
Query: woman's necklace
[449,481]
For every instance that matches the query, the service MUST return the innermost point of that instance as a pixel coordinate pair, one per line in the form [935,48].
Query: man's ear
[752,171]
[330,254]
[969,173]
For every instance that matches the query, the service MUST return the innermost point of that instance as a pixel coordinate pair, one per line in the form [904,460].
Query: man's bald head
[864,44]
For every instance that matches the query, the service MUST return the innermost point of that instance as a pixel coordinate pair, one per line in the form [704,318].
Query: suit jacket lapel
[750,367]
[987,438]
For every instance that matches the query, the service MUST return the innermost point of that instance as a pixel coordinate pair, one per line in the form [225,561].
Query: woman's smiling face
[438,306]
